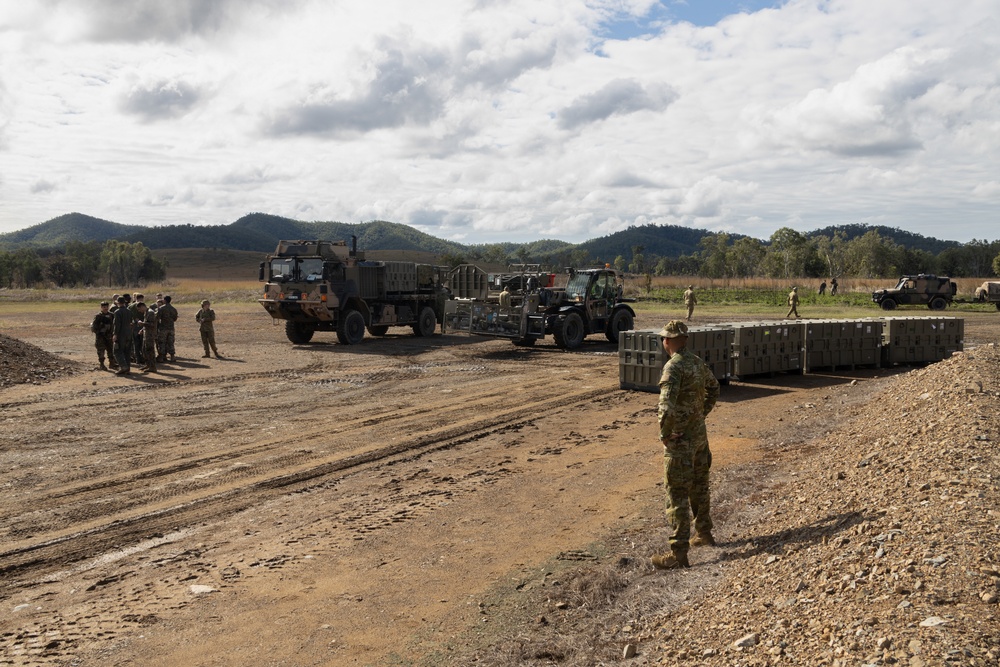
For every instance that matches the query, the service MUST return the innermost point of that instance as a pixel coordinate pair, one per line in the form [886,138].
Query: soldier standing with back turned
[688,392]
[166,315]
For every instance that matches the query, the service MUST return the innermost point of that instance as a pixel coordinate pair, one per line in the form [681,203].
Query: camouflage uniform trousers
[149,352]
[164,343]
[208,340]
[686,466]
[105,346]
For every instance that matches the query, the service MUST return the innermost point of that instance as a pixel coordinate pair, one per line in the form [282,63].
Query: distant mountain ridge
[260,232]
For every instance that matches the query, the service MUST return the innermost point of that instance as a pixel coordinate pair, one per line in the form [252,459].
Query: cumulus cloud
[143,20]
[159,99]
[871,113]
[711,196]
[617,98]
[403,90]
[42,186]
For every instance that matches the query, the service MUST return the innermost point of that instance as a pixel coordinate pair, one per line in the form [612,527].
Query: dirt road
[323,504]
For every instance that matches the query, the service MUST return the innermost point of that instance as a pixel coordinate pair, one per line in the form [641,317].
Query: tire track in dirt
[55,548]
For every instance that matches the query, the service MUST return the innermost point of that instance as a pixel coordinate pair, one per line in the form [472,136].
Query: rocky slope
[880,546]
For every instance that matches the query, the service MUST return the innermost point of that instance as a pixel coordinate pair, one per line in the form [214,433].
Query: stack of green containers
[641,356]
[842,344]
[767,347]
[916,340]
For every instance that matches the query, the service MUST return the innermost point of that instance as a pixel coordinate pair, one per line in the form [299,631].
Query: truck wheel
[569,331]
[426,322]
[378,330]
[351,329]
[298,333]
[937,303]
[888,304]
[621,320]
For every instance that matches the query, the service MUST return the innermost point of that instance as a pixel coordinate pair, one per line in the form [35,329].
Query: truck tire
[379,330]
[569,331]
[621,320]
[426,322]
[351,329]
[298,333]
[938,303]
[888,304]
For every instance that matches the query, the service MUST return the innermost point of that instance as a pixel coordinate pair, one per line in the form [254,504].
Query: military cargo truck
[590,303]
[922,289]
[989,292]
[326,286]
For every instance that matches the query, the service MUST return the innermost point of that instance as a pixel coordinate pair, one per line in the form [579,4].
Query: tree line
[81,264]
[789,254]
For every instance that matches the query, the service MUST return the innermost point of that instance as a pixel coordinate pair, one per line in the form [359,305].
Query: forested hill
[257,232]
[898,236]
[260,232]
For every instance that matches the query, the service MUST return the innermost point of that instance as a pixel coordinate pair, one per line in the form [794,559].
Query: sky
[482,121]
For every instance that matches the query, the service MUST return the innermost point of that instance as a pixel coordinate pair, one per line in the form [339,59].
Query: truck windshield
[295,269]
[577,286]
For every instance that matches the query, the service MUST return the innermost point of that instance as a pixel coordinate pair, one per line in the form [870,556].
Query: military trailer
[936,292]
[328,286]
[989,292]
[591,303]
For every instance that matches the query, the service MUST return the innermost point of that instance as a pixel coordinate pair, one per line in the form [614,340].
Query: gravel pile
[24,363]
[881,547]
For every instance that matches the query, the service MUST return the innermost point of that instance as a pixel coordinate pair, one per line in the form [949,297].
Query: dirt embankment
[453,500]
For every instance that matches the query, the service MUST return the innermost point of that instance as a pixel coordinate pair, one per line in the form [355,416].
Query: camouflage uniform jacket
[205,318]
[149,325]
[103,325]
[688,392]
[689,298]
[166,315]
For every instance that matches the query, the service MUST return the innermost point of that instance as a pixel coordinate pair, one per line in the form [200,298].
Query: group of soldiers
[129,331]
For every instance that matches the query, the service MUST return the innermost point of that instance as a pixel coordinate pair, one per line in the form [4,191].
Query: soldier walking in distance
[833,287]
[166,315]
[122,337]
[793,303]
[688,392]
[206,318]
[822,288]
[690,300]
[103,329]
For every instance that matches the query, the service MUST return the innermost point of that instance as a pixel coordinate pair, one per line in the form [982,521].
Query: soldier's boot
[103,367]
[173,358]
[703,539]
[149,368]
[217,355]
[670,561]
[206,355]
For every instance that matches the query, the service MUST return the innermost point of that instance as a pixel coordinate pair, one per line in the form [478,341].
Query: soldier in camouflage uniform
[148,316]
[206,324]
[166,315]
[122,336]
[688,392]
[690,300]
[102,327]
[793,303]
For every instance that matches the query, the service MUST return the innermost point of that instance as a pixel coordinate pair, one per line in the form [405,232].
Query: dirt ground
[333,505]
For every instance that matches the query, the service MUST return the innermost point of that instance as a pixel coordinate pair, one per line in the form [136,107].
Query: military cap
[674,329]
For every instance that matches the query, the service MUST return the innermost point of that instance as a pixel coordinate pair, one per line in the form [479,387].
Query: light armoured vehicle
[936,292]
[328,286]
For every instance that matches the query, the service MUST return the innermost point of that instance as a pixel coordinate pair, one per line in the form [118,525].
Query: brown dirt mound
[23,363]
